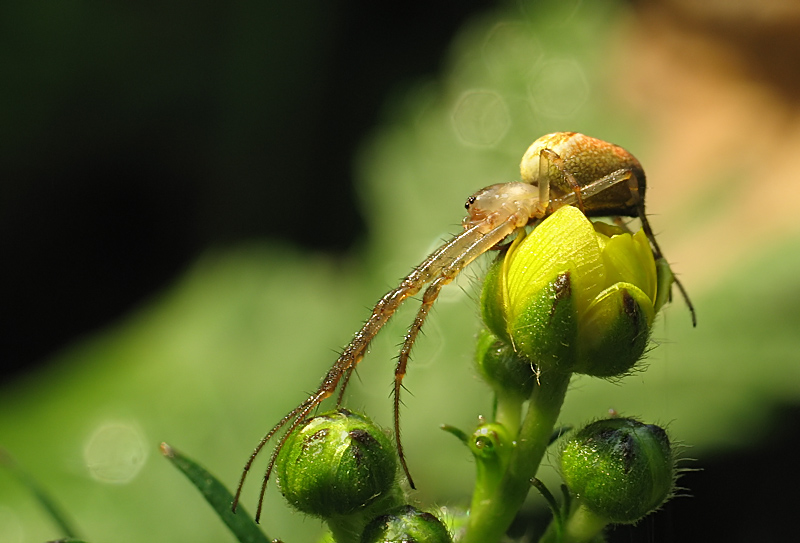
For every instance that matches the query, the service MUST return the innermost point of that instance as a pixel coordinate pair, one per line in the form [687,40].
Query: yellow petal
[566,241]
[627,260]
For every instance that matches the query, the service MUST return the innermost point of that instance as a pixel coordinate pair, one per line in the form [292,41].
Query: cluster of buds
[570,297]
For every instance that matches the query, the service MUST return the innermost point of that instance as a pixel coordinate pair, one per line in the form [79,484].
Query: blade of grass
[53,509]
[241,523]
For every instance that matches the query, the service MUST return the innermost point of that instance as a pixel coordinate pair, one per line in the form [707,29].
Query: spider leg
[431,293]
[638,201]
[451,266]
[544,180]
[346,379]
[386,306]
[558,162]
[658,254]
[590,189]
[293,419]
[342,369]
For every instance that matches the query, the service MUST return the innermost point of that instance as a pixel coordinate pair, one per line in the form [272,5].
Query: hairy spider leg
[658,254]
[423,274]
[554,159]
[348,373]
[448,272]
[589,190]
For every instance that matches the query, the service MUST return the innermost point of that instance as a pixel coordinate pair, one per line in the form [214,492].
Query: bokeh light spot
[481,118]
[559,89]
[115,453]
[511,51]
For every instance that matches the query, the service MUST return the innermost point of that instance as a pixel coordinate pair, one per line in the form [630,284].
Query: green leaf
[241,523]
[44,498]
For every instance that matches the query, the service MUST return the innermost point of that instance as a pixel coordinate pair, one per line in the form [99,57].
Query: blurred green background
[186,253]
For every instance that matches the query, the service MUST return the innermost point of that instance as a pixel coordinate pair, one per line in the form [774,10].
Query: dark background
[135,135]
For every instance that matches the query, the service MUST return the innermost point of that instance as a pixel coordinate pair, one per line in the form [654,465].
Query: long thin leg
[431,293]
[658,254]
[348,373]
[294,416]
[554,159]
[448,273]
[431,267]
[590,189]
[544,180]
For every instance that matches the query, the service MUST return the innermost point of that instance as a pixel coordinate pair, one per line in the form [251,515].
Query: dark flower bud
[619,469]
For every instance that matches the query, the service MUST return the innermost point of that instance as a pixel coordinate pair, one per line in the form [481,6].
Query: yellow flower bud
[575,295]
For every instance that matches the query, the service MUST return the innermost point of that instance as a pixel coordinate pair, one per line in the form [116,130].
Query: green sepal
[506,371]
[546,329]
[493,299]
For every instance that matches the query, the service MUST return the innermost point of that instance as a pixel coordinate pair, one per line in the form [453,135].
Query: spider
[559,169]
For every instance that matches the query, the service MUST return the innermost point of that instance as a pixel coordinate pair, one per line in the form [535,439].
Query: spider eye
[470,201]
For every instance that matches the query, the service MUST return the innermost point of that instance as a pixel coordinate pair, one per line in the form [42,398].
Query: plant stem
[493,510]
[348,528]
[580,527]
[508,412]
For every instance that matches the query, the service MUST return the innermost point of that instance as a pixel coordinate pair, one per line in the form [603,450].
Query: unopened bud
[338,463]
[620,469]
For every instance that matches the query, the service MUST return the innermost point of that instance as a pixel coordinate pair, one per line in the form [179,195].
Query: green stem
[493,510]
[581,527]
[508,412]
[348,528]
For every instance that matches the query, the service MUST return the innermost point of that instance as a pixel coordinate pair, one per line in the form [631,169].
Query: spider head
[500,203]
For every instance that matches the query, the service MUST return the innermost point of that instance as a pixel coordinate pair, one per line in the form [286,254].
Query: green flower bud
[502,368]
[491,444]
[575,295]
[619,469]
[406,525]
[336,464]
